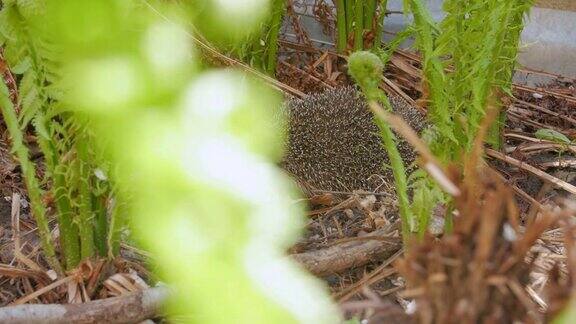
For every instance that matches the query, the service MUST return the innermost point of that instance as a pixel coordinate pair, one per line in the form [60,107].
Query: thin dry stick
[377,274]
[42,291]
[539,173]
[546,111]
[12,272]
[568,163]
[401,93]
[15,215]
[373,277]
[310,75]
[546,91]
[524,298]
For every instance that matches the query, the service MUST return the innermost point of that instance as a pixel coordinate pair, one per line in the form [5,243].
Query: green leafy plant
[468,61]
[61,136]
[257,45]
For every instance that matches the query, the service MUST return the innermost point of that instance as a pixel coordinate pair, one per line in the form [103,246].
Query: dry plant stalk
[561,290]
[479,272]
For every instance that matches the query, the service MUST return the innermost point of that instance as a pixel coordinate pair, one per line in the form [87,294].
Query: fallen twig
[42,291]
[539,173]
[375,275]
[347,255]
[132,308]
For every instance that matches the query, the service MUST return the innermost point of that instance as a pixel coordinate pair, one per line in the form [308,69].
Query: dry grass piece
[479,272]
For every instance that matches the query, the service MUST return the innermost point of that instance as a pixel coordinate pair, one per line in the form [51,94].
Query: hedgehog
[333,143]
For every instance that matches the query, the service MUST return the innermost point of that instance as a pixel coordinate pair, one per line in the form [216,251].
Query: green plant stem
[29,174]
[341,41]
[101,225]
[380,24]
[31,109]
[399,172]
[369,13]
[366,69]
[358,25]
[275,25]
[85,212]
[69,240]
[117,220]
[349,4]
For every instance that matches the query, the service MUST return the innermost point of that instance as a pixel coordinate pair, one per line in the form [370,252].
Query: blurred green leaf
[552,136]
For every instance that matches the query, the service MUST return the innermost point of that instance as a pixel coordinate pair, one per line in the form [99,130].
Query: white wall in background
[549,41]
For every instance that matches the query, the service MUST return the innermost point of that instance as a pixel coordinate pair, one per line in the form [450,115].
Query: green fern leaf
[31,8]
[31,105]
[22,66]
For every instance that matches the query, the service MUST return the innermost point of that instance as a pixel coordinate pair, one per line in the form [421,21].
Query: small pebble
[509,233]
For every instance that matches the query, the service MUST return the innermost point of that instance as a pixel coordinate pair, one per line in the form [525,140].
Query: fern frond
[31,53]
[31,8]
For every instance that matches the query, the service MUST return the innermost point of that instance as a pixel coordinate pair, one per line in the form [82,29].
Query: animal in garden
[334,144]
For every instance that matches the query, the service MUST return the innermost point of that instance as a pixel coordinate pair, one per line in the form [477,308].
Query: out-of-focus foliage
[192,154]
[237,34]
[568,316]
[33,55]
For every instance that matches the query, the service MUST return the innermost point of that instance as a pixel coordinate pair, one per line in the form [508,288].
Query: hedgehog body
[333,143]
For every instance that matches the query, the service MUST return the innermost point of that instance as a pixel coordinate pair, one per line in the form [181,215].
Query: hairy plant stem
[398,170]
[100,225]
[369,13]
[380,23]
[69,239]
[511,41]
[358,25]
[276,22]
[68,232]
[117,220]
[342,38]
[29,174]
[85,211]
